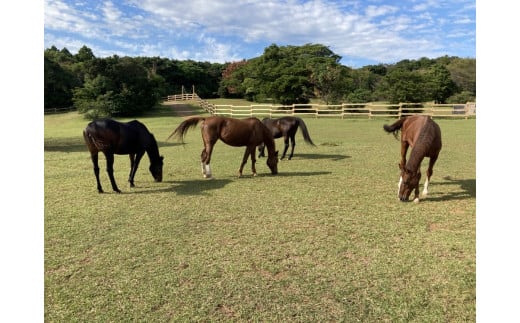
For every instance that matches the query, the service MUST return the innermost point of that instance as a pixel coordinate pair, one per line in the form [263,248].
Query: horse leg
[110,171]
[402,163]
[247,152]
[429,173]
[261,150]
[205,158]
[133,166]
[253,160]
[286,146]
[132,173]
[293,143]
[94,157]
[416,192]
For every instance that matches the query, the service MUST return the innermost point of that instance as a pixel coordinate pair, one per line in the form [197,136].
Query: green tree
[439,83]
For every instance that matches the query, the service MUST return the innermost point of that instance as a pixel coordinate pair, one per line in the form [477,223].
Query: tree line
[129,86]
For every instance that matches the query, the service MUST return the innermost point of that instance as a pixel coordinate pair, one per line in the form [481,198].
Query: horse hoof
[416,200]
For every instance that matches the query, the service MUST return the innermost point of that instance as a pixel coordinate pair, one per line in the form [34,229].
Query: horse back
[423,131]
[116,137]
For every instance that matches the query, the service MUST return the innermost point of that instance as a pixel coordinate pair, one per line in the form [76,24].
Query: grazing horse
[286,127]
[130,138]
[249,132]
[424,135]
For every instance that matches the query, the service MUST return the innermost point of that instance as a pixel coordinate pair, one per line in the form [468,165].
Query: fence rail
[343,111]
[182,97]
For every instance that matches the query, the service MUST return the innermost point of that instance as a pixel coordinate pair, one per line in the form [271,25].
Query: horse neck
[269,143]
[420,149]
[152,149]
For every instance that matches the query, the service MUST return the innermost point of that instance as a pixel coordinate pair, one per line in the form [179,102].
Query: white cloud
[231,30]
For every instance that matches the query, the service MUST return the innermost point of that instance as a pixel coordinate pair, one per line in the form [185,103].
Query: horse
[249,132]
[424,135]
[286,127]
[130,138]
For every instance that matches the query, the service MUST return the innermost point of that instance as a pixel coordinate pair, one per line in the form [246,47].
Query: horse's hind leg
[205,158]
[110,171]
[429,173]
[286,146]
[94,157]
[293,143]
[261,150]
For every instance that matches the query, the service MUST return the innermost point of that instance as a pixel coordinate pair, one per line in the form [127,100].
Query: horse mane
[267,137]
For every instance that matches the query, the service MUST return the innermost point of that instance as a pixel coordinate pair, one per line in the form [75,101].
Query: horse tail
[305,132]
[394,128]
[181,130]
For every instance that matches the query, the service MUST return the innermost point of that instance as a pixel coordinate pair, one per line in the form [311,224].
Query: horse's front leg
[132,173]
[416,192]
[402,164]
[429,173]
[110,171]
[247,152]
[134,163]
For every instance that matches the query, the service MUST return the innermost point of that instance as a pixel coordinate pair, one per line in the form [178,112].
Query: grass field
[325,240]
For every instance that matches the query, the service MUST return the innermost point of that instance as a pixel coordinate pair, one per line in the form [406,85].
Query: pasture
[324,240]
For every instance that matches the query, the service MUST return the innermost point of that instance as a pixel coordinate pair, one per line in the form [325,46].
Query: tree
[287,74]
[440,84]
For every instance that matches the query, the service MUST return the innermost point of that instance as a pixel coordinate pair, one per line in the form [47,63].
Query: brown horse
[424,135]
[130,138]
[286,127]
[249,132]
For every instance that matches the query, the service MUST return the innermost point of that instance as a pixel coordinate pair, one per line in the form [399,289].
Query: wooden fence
[182,97]
[343,111]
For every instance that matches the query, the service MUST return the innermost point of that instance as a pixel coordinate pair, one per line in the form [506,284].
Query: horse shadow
[334,157]
[293,174]
[192,187]
[468,190]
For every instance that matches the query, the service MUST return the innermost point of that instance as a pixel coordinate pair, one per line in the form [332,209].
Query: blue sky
[361,32]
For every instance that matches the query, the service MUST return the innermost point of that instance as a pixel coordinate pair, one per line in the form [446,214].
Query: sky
[363,33]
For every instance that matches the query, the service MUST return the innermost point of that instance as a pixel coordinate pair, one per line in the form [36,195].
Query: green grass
[325,240]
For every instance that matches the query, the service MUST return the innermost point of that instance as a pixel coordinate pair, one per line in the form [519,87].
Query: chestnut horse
[286,127]
[130,138]
[249,132]
[424,135]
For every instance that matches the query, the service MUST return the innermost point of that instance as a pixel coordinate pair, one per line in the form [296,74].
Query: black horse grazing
[131,138]
[249,132]
[424,135]
[286,127]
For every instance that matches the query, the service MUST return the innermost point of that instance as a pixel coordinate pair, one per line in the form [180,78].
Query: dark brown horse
[131,138]
[249,132]
[424,135]
[286,127]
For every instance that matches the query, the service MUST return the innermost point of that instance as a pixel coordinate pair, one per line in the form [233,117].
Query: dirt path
[183,109]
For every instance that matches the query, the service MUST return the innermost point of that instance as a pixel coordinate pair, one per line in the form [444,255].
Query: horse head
[409,182]
[272,162]
[156,168]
